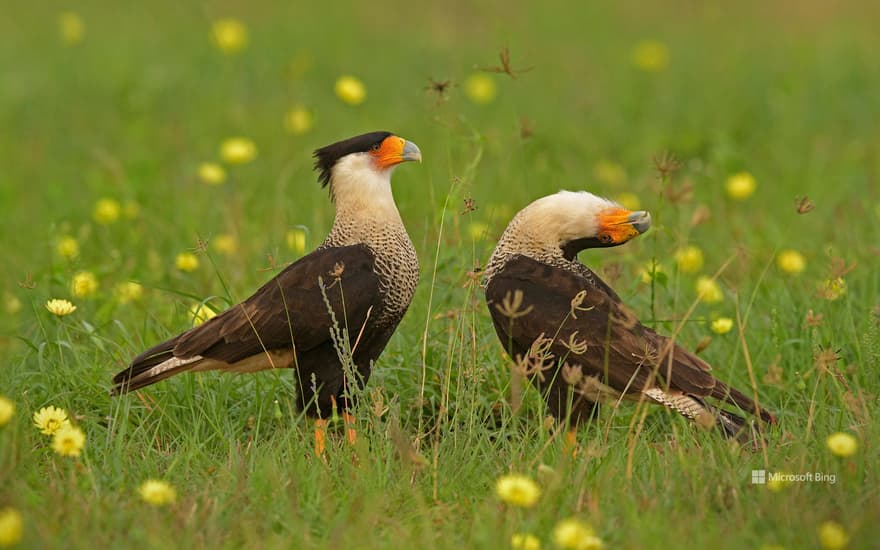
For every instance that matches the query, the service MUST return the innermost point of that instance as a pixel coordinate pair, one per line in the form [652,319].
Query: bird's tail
[153,365]
[735,427]
[695,408]
[733,396]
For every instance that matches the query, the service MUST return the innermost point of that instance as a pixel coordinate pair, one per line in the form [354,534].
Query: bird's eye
[375,147]
[605,238]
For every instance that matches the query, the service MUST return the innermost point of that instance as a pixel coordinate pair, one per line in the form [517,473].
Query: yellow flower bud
[480,88]
[740,186]
[229,35]
[791,261]
[350,90]
[186,261]
[238,150]
[651,56]
[689,259]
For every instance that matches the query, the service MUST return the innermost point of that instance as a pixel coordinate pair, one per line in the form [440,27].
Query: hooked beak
[640,220]
[411,152]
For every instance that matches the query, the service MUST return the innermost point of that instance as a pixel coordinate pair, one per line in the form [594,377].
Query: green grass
[787,93]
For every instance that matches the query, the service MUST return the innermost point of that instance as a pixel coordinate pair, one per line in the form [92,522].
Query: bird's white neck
[363,198]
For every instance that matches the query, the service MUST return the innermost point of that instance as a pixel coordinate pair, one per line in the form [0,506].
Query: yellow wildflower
[689,259]
[67,247]
[296,239]
[350,90]
[778,482]
[238,150]
[106,211]
[201,313]
[298,120]
[833,536]
[517,490]
[128,291]
[575,534]
[628,200]
[651,56]
[478,230]
[186,261]
[7,410]
[212,173]
[11,304]
[842,444]
[68,441]
[480,88]
[230,35]
[609,172]
[722,325]
[650,271]
[131,209]
[708,290]
[225,243]
[791,261]
[84,284]
[832,289]
[71,27]
[11,526]
[740,186]
[60,307]
[157,492]
[50,419]
[525,541]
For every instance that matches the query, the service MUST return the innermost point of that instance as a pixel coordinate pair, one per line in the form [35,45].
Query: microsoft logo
[759,477]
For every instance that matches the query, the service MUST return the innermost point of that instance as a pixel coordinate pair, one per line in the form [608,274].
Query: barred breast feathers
[367,214]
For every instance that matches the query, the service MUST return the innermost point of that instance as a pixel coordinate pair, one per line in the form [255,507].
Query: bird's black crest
[326,156]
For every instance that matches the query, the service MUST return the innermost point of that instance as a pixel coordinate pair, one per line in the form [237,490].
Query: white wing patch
[683,404]
[167,365]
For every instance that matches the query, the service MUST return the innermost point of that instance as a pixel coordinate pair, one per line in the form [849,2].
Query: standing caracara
[366,269]
[570,330]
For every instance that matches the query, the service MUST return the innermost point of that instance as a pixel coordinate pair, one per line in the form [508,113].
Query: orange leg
[320,436]
[350,432]
[571,443]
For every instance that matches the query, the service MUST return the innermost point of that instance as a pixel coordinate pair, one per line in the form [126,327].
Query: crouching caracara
[572,334]
[366,270]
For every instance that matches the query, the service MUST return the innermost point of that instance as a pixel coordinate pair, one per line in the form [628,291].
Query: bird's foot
[350,431]
[571,443]
[320,437]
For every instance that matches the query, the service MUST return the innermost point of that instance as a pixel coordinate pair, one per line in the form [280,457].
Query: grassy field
[125,103]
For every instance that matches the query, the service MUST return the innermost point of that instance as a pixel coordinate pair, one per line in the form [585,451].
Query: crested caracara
[570,331]
[365,271]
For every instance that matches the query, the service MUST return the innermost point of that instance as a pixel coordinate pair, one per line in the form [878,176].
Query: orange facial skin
[393,150]
[616,226]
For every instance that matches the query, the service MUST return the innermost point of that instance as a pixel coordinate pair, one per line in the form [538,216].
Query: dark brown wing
[621,351]
[289,311]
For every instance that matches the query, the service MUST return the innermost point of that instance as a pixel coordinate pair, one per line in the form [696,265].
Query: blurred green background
[787,91]
[126,101]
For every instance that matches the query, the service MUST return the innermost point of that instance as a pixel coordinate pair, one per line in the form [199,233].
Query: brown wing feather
[621,351]
[288,311]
